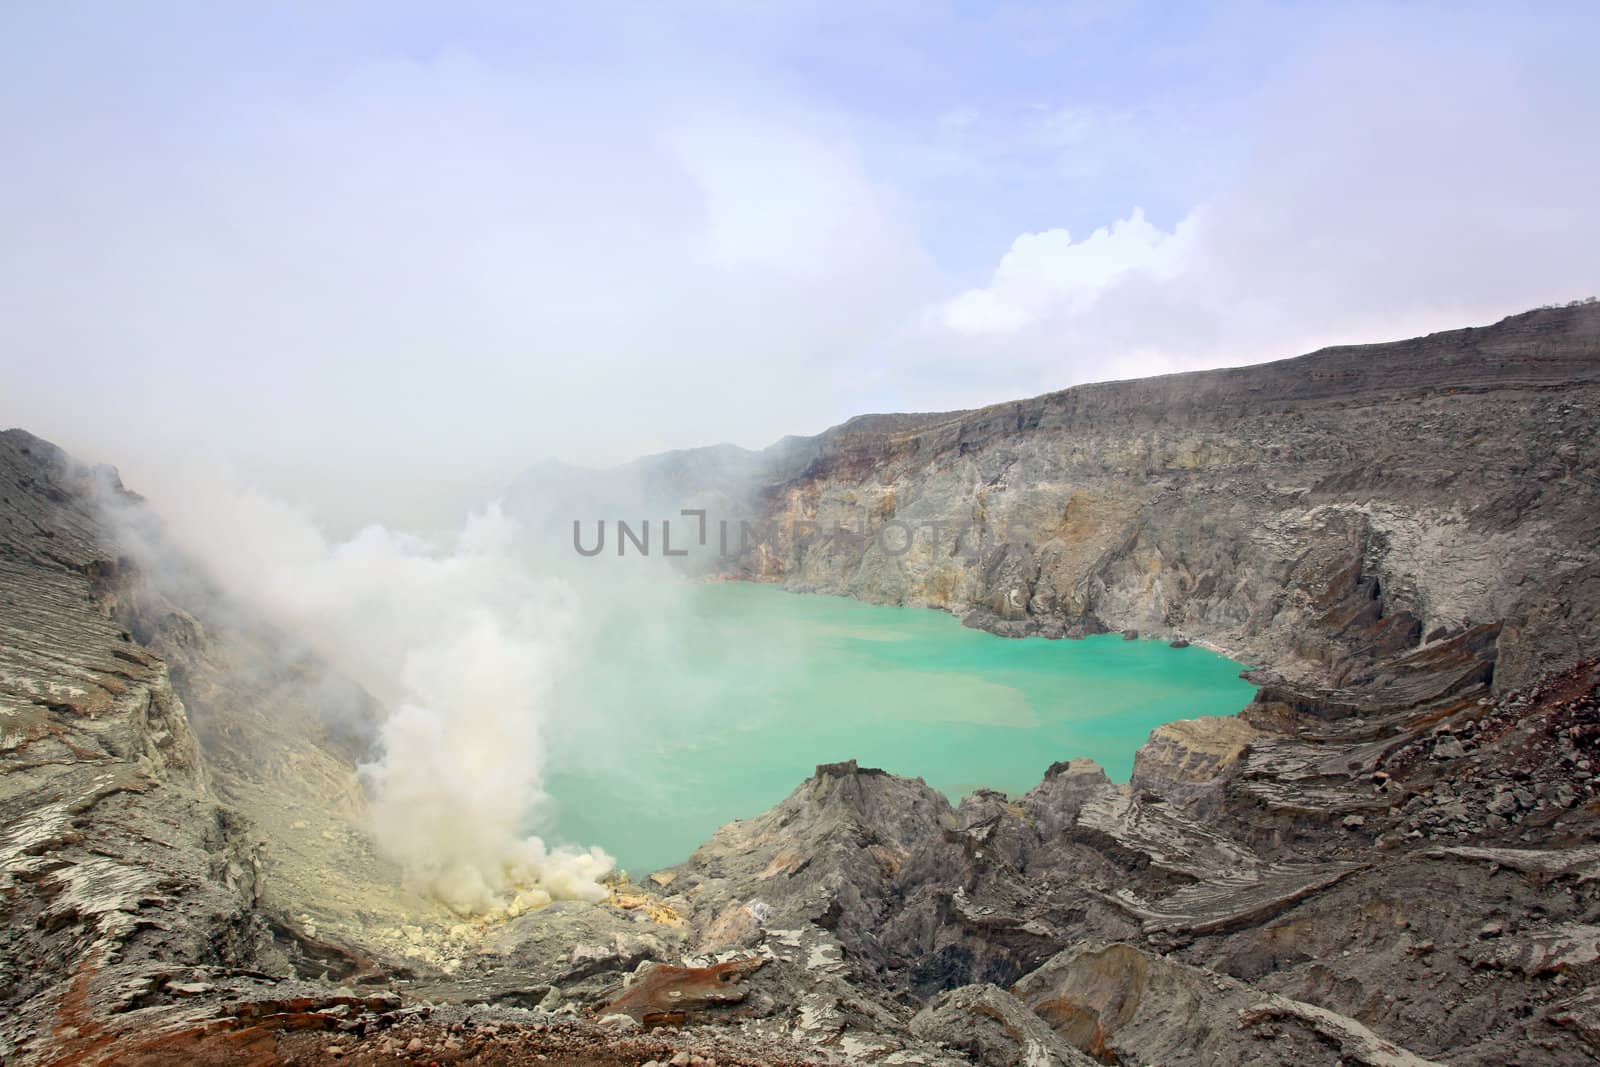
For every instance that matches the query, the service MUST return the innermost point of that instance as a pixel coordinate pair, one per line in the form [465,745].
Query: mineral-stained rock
[1356,1044]
[1126,1006]
[833,852]
[1067,786]
[662,995]
[1190,761]
[1581,1015]
[991,1025]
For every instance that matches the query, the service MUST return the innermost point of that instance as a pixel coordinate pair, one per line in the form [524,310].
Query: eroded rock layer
[1317,515]
[1391,857]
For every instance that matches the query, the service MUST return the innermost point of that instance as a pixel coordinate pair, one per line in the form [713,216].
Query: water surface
[666,733]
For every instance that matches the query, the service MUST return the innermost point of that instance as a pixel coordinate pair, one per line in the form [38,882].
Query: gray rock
[994,1028]
[1119,1001]
[1315,517]
[1259,525]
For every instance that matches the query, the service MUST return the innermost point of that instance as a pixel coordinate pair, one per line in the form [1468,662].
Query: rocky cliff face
[1317,515]
[1392,857]
[115,856]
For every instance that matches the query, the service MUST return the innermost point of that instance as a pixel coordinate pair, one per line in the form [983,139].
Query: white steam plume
[458,645]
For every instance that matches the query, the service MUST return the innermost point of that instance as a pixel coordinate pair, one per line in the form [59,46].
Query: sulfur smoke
[459,643]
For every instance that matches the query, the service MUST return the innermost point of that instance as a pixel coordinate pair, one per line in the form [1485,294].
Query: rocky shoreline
[1391,857]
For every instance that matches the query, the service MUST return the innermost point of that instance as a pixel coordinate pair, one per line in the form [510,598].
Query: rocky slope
[1392,857]
[1315,514]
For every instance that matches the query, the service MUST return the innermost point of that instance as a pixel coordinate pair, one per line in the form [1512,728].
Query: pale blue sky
[382,252]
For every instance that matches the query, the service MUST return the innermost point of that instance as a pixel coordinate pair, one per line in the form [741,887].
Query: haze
[380,257]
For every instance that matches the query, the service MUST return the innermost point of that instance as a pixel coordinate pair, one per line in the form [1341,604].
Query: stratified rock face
[1190,761]
[1316,515]
[994,1028]
[1126,1005]
[115,859]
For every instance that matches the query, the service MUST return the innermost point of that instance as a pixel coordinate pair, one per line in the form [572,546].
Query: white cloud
[1049,273]
[1445,187]
[423,253]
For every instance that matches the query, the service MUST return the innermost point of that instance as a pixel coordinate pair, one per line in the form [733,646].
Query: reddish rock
[663,995]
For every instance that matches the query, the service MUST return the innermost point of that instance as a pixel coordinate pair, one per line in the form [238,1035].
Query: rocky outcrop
[120,874]
[993,1027]
[1127,1006]
[1141,934]
[660,995]
[1191,761]
[1391,857]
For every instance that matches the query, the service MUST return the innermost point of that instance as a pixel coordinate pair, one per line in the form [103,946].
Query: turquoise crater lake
[666,735]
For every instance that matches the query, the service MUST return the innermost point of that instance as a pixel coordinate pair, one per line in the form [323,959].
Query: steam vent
[1388,856]
[998,533]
